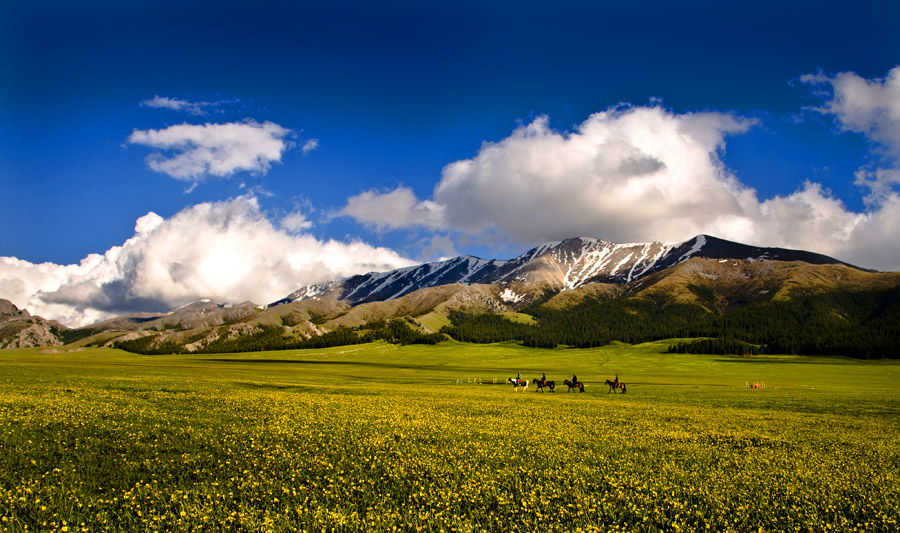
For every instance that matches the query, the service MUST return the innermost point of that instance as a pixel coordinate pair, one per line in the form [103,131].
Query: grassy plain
[378,437]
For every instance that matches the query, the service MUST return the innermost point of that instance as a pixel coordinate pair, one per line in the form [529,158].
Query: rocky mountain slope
[18,329]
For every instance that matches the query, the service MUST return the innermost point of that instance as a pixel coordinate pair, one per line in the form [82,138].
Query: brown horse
[541,383]
[574,385]
[613,385]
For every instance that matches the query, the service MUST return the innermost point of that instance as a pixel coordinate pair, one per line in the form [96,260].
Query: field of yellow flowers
[378,438]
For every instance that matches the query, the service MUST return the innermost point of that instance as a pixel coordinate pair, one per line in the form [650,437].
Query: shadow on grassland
[353,364]
[273,386]
[810,360]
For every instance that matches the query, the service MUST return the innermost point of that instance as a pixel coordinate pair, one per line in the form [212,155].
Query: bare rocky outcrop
[18,329]
[8,309]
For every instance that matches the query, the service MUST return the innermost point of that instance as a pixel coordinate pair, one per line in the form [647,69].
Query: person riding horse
[542,382]
[615,385]
[574,384]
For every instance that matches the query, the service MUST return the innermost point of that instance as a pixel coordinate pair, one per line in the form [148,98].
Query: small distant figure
[615,386]
[574,384]
[544,382]
[517,382]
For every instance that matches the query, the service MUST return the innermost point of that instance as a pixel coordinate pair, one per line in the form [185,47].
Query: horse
[576,385]
[516,383]
[613,385]
[541,383]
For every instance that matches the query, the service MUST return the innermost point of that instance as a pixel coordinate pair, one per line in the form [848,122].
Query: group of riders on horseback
[573,383]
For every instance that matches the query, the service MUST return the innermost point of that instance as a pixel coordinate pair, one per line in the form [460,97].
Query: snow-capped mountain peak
[560,265]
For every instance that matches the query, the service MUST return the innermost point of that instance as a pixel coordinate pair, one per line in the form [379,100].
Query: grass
[378,436]
[433,321]
[520,318]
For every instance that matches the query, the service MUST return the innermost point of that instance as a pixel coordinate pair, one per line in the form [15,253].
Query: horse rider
[574,379]
[616,382]
[544,378]
[518,377]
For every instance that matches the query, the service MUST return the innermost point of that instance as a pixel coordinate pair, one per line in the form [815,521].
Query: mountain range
[563,265]
[712,276]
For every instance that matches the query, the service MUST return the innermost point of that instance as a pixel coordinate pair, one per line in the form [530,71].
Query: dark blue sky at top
[394,91]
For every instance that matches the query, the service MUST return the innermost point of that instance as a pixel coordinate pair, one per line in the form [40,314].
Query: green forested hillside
[863,324]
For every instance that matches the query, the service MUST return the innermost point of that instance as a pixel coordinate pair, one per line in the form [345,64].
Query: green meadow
[420,438]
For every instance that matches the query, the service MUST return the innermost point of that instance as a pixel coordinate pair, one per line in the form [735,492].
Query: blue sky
[352,136]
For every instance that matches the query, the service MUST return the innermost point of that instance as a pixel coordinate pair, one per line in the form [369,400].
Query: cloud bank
[634,174]
[190,152]
[228,251]
[872,108]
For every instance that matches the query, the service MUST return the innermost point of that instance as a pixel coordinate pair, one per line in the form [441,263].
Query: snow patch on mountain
[647,249]
[539,250]
[511,297]
[312,291]
[699,243]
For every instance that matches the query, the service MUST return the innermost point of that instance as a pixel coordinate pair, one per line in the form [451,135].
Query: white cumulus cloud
[394,209]
[227,251]
[629,174]
[192,151]
[295,222]
[870,107]
[624,173]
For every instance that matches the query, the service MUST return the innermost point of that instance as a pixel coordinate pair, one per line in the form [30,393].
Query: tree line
[728,346]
